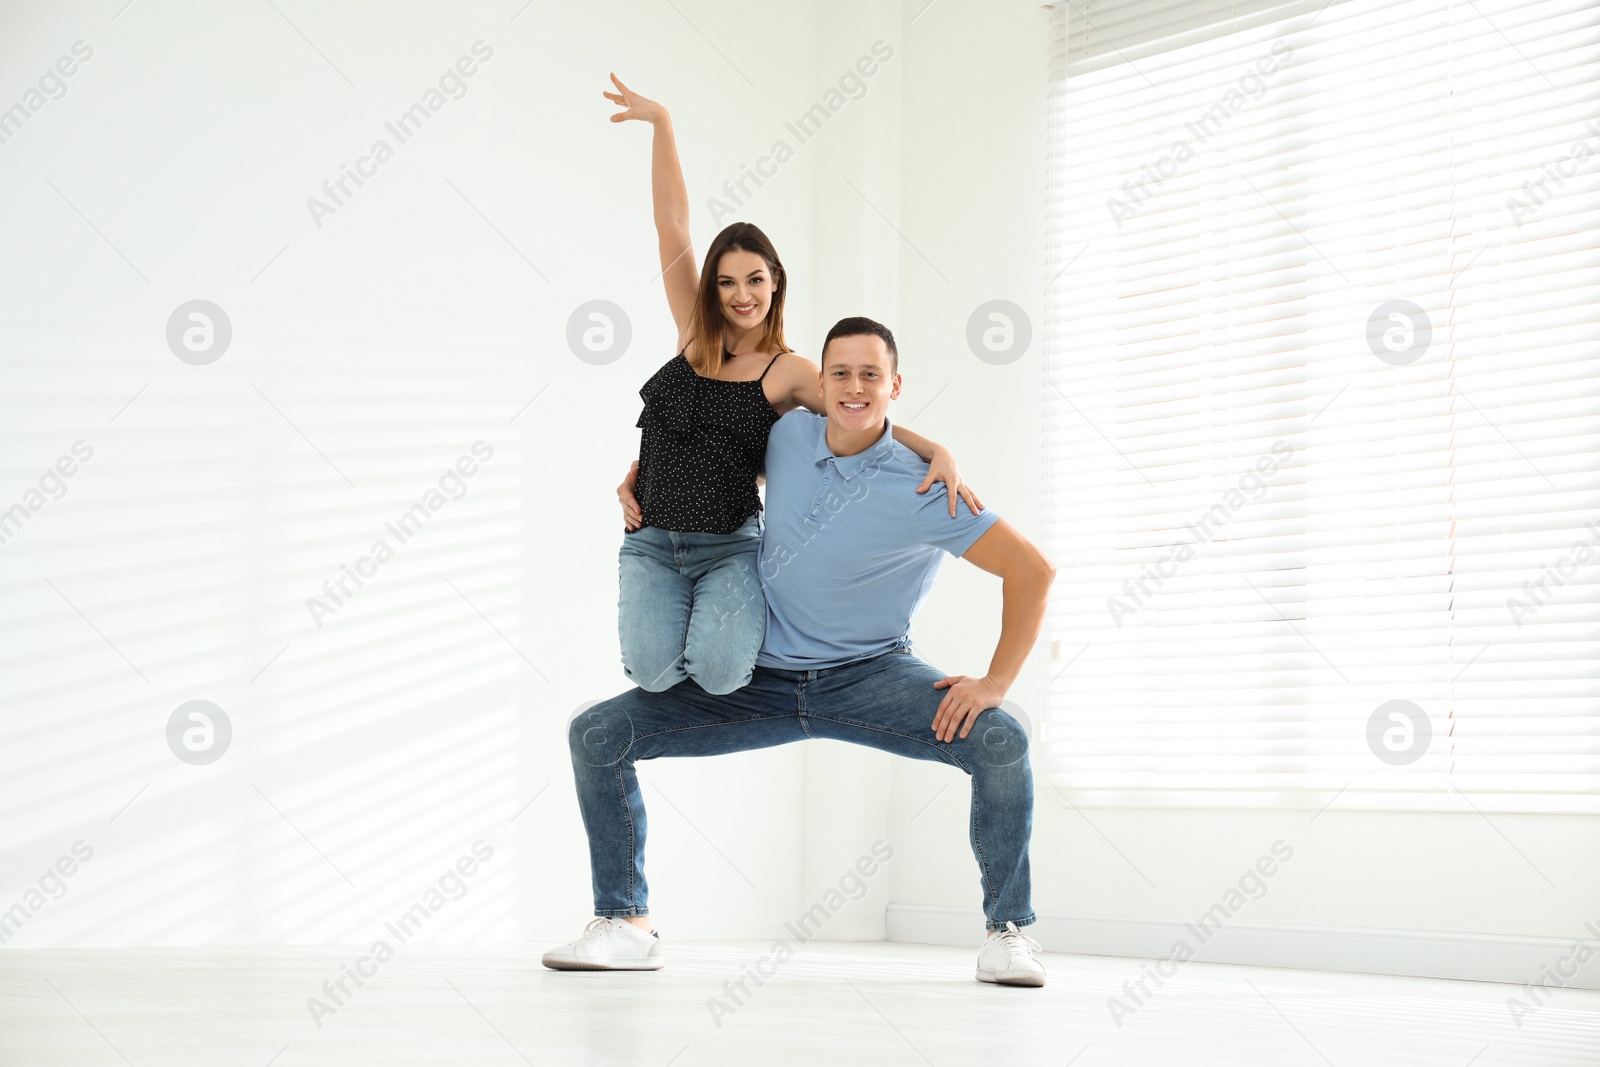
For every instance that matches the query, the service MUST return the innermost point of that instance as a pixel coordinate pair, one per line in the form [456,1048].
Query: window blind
[1323,404]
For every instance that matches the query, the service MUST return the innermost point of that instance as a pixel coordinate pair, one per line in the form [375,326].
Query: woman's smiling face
[744,287]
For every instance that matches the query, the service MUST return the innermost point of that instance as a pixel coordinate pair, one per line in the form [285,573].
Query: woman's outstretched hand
[632,517]
[637,107]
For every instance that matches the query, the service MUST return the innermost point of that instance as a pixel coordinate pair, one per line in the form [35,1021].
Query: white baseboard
[1473,957]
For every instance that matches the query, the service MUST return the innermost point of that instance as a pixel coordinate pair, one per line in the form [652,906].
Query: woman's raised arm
[679,273]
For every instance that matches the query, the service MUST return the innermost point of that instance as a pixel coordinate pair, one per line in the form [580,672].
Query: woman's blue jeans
[887,702]
[690,606]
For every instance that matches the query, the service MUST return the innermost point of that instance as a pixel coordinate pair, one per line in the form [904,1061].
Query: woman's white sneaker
[608,945]
[1007,958]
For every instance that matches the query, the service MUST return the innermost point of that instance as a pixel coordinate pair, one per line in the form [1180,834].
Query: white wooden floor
[876,1003]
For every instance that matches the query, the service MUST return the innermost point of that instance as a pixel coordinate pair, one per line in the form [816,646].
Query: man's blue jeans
[887,702]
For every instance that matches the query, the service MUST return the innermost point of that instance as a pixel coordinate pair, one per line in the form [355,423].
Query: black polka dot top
[704,442]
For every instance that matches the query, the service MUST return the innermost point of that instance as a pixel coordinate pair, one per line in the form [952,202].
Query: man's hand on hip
[966,700]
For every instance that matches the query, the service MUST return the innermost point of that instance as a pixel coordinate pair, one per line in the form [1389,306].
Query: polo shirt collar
[849,466]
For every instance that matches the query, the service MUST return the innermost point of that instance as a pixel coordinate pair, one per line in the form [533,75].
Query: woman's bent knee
[654,674]
[720,679]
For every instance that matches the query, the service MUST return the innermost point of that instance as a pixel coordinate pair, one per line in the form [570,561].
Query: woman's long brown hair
[706,321]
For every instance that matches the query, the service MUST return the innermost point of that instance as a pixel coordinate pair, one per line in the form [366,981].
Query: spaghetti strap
[769,366]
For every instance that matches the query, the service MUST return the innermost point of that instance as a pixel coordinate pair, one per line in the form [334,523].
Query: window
[1323,404]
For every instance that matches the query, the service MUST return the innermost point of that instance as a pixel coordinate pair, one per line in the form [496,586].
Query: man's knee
[599,734]
[1001,740]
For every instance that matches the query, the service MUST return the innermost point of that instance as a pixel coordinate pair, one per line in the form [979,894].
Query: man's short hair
[861,326]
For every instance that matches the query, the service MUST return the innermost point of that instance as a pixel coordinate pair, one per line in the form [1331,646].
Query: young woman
[691,604]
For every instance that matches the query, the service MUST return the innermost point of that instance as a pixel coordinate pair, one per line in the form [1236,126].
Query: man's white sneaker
[608,945]
[1007,958]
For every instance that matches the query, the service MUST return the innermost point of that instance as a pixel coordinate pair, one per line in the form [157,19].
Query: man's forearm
[1025,597]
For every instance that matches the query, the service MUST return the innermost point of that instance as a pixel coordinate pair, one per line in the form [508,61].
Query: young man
[848,555]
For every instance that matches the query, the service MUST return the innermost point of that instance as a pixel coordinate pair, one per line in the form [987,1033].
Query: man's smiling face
[858,381]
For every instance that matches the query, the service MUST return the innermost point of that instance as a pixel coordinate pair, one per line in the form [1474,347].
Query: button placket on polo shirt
[817,501]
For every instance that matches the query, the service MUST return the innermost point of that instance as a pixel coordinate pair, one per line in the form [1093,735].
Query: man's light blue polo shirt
[850,550]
